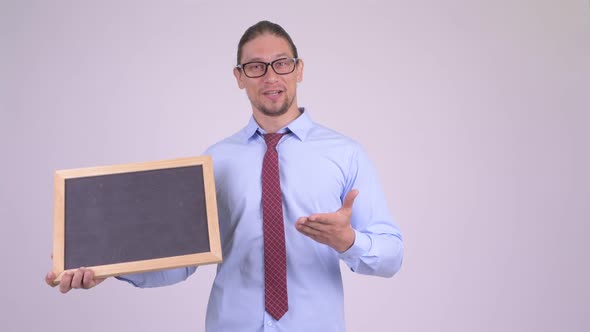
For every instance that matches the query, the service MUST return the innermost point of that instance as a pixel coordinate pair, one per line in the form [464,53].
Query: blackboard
[136,217]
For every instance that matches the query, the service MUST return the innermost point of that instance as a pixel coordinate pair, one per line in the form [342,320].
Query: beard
[282,109]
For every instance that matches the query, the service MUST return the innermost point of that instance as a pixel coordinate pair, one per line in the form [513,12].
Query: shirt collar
[300,127]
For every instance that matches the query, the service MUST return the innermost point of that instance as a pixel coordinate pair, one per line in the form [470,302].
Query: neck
[272,124]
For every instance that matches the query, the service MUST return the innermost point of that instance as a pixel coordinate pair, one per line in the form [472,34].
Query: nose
[270,75]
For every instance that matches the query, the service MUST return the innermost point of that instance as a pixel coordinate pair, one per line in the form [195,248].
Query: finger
[300,221]
[318,221]
[321,217]
[66,282]
[306,221]
[320,226]
[88,279]
[77,279]
[313,234]
[308,230]
[50,278]
[349,199]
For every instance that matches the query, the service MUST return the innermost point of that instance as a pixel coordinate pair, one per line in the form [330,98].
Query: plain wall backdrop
[476,114]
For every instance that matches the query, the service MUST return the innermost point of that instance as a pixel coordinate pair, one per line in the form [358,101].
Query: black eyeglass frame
[267,64]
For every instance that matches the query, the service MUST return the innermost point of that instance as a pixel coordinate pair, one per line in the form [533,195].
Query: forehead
[266,47]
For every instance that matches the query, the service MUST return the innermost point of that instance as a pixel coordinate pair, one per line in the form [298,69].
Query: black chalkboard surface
[136,217]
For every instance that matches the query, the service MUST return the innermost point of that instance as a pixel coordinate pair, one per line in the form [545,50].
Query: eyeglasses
[256,69]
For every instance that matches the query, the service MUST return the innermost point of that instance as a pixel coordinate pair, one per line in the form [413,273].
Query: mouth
[273,94]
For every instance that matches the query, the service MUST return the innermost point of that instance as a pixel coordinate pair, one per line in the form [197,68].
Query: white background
[476,114]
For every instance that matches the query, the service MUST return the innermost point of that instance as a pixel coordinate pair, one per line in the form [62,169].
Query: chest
[312,179]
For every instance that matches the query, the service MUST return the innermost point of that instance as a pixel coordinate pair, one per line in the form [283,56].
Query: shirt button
[270,323]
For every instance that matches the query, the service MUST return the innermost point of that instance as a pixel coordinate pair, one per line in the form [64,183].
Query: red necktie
[275,262]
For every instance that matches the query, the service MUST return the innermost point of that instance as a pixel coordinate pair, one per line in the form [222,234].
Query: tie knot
[272,140]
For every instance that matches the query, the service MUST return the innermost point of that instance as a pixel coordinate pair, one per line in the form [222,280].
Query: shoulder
[334,139]
[232,143]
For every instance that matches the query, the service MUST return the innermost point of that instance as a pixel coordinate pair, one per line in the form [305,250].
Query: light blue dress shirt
[318,166]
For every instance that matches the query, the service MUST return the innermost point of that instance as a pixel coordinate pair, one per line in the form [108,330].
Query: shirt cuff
[362,245]
[128,279]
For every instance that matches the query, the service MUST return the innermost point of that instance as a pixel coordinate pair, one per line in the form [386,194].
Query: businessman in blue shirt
[333,207]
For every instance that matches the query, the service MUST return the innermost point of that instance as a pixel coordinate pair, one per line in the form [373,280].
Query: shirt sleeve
[378,247]
[158,278]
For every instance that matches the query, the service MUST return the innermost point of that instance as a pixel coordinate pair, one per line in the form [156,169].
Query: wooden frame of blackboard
[210,256]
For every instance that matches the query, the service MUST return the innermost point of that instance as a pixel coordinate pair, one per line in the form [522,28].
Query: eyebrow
[276,56]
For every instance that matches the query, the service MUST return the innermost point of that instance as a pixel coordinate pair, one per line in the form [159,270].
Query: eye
[254,66]
[282,63]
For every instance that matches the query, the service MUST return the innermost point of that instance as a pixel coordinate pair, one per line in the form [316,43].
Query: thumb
[349,200]
[50,278]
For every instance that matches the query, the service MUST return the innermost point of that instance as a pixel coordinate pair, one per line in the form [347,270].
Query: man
[322,175]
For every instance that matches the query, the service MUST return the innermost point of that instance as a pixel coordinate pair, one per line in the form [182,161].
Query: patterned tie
[275,266]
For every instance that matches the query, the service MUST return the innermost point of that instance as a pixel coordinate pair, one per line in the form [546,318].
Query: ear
[239,78]
[299,70]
